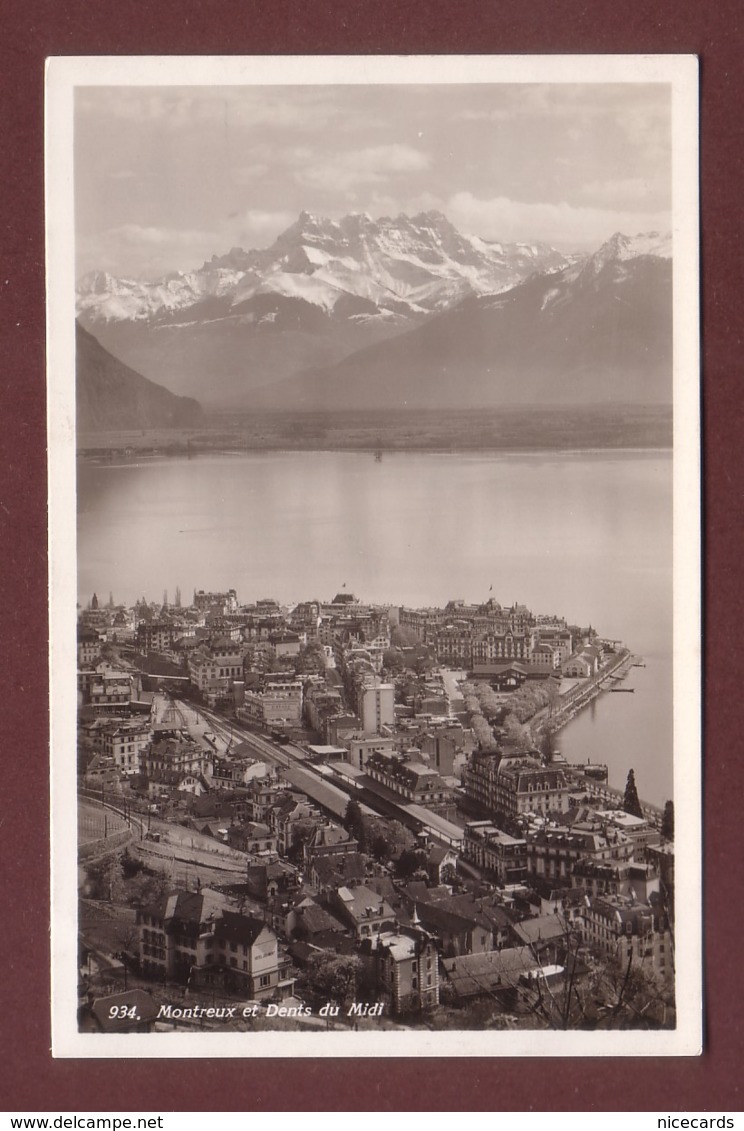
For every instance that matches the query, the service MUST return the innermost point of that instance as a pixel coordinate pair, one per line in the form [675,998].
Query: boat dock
[582,693]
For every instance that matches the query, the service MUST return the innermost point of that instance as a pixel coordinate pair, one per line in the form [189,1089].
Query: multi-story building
[453,645]
[192,937]
[442,750]
[215,667]
[405,965]
[110,692]
[626,930]
[280,702]
[328,840]
[261,794]
[637,829]
[498,647]
[362,746]
[253,837]
[553,853]
[284,644]
[287,819]
[479,777]
[157,635]
[515,785]
[377,706]
[615,877]
[304,619]
[495,852]
[216,602]
[88,646]
[174,755]
[236,773]
[557,636]
[320,703]
[545,659]
[123,741]
[417,783]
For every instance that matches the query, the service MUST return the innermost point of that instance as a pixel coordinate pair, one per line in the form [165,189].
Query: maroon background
[39,28]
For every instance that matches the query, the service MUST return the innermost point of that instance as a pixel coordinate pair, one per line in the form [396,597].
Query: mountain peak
[622,247]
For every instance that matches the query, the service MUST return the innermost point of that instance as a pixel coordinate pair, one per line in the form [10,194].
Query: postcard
[374,531]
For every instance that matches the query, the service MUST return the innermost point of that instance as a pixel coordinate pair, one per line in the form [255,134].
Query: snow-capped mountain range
[336,309]
[407,265]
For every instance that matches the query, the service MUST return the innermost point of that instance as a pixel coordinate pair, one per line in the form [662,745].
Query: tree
[86,752]
[354,824]
[395,836]
[482,731]
[335,977]
[393,661]
[667,821]
[409,861]
[380,847]
[517,736]
[106,877]
[301,834]
[594,992]
[401,637]
[631,801]
[489,701]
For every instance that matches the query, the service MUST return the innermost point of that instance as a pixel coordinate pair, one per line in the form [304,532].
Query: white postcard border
[64,74]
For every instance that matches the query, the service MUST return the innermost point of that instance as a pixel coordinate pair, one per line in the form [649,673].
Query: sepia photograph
[373,391]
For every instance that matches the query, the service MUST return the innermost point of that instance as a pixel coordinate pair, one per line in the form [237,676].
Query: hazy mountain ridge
[110,395]
[599,331]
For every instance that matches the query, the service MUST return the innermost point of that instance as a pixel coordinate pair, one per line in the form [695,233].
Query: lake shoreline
[504,431]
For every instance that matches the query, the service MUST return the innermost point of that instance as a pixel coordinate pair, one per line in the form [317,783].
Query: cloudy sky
[165,177]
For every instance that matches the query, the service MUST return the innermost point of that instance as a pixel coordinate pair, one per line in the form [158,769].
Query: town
[339,814]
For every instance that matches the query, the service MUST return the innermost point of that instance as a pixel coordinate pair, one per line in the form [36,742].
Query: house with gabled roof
[363,910]
[267,880]
[194,938]
[252,837]
[328,873]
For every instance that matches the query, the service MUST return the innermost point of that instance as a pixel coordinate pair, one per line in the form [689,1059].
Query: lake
[584,535]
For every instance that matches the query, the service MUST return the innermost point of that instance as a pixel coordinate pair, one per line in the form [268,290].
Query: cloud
[619,193]
[257,228]
[151,252]
[248,174]
[495,115]
[242,107]
[373,165]
[565,225]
